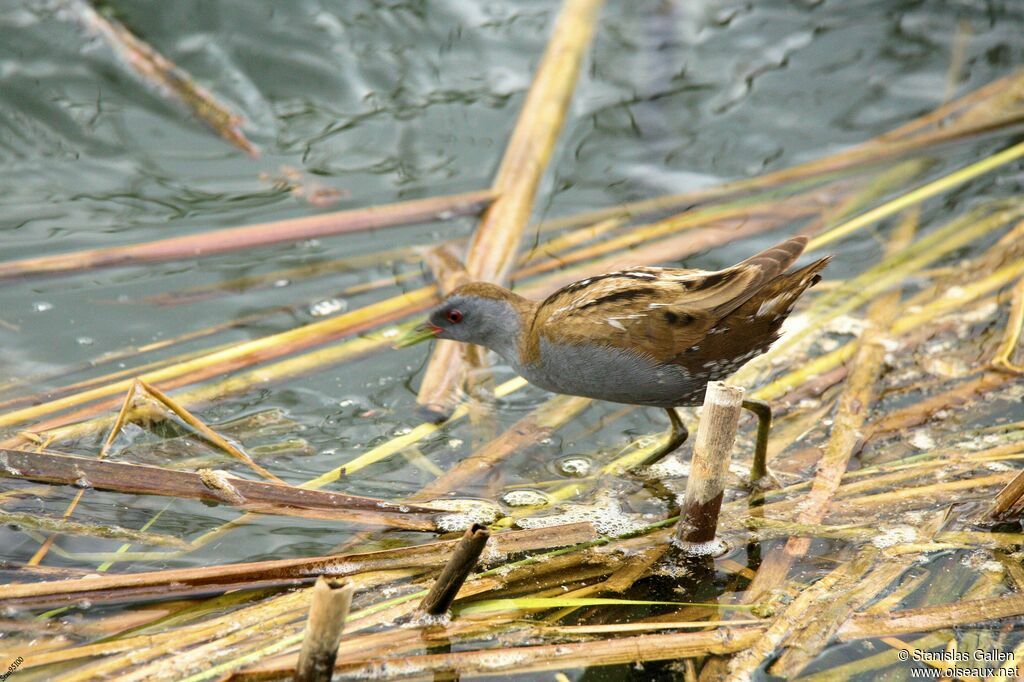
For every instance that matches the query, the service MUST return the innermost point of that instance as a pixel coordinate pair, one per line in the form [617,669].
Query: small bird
[642,336]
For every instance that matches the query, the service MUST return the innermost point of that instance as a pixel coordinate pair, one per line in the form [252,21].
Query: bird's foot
[766,481]
[676,436]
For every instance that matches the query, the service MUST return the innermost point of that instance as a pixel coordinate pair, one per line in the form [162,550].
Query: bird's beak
[424,332]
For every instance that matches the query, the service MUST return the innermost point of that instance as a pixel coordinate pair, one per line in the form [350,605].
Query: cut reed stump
[463,561]
[716,434]
[327,614]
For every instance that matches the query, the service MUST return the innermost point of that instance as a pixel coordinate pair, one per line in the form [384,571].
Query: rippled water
[384,101]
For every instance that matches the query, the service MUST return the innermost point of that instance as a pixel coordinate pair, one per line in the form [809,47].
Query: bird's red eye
[454,316]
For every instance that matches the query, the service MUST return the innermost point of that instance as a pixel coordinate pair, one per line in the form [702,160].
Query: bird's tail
[775,300]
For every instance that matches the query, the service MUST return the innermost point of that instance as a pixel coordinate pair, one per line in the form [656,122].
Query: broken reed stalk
[202,428]
[463,561]
[492,251]
[252,236]
[712,450]
[122,414]
[1009,500]
[1004,355]
[211,486]
[327,614]
[169,78]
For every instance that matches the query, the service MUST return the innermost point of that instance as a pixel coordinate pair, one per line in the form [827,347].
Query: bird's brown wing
[753,327]
[656,311]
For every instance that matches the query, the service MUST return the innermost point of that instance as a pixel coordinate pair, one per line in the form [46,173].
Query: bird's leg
[676,437]
[763,412]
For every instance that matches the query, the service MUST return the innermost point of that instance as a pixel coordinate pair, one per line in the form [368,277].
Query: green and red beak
[424,332]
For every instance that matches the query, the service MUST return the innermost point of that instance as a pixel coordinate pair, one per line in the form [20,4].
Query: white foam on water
[525,498]
[896,535]
[465,513]
[605,515]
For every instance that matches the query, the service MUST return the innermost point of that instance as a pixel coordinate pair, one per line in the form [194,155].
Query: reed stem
[463,561]
[712,450]
[327,614]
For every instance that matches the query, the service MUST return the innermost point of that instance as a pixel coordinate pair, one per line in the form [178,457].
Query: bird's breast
[608,373]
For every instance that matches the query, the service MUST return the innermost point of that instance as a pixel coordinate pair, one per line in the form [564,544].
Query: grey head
[484,314]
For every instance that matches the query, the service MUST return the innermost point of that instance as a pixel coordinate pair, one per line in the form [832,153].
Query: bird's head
[480,313]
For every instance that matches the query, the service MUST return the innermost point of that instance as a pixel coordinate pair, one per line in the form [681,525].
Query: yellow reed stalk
[240,355]
[568,240]
[790,208]
[889,273]
[918,195]
[492,250]
[91,382]
[1003,359]
[278,371]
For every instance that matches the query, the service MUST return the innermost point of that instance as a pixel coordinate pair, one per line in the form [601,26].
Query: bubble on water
[524,498]
[328,306]
[42,306]
[575,466]
[279,283]
[454,443]
[922,440]
[85,340]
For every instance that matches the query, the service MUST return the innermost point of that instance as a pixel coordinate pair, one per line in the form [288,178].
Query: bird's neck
[509,331]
